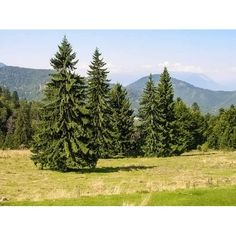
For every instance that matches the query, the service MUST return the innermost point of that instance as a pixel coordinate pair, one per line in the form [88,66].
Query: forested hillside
[29,84]
[208,100]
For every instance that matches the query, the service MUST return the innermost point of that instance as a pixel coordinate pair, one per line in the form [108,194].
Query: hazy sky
[130,54]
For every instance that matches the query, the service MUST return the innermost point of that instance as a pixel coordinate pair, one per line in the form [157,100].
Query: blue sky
[130,54]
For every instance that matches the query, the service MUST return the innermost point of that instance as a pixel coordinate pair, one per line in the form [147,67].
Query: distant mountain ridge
[208,100]
[2,65]
[29,84]
[197,79]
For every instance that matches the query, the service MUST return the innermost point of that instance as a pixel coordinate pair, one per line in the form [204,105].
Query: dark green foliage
[122,120]
[6,118]
[23,128]
[63,140]
[148,113]
[167,135]
[191,126]
[197,127]
[15,99]
[183,125]
[222,130]
[15,120]
[99,106]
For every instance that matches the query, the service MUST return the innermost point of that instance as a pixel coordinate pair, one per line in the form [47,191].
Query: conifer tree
[63,141]
[197,126]
[222,129]
[99,106]
[149,117]
[15,99]
[23,129]
[183,126]
[166,117]
[122,120]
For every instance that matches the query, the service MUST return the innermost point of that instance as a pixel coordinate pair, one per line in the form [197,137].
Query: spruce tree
[99,106]
[122,120]
[197,126]
[15,99]
[23,128]
[63,141]
[222,130]
[167,145]
[183,126]
[149,118]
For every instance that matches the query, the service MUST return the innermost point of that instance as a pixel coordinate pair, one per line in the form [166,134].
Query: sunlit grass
[138,178]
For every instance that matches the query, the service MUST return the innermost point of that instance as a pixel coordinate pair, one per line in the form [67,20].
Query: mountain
[27,82]
[208,100]
[197,79]
[2,65]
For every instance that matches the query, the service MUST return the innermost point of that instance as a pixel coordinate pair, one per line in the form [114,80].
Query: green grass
[197,197]
[192,179]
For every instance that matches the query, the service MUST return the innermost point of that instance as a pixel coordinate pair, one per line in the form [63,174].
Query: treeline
[18,120]
[83,119]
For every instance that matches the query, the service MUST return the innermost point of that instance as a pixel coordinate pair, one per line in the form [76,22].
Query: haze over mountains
[29,84]
[2,65]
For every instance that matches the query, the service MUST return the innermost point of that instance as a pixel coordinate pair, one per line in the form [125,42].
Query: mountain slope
[196,79]
[27,82]
[2,65]
[208,100]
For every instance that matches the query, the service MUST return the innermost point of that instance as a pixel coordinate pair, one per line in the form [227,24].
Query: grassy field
[194,178]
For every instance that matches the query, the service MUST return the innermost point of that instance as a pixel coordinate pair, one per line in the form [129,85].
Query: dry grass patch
[20,180]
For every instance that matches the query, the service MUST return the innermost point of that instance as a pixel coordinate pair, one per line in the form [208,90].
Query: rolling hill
[208,100]
[2,65]
[29,84]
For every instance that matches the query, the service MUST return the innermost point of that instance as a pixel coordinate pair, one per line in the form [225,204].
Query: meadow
[194,178]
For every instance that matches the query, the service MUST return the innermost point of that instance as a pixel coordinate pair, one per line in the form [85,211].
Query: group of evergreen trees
[15,120]
[221,132]
[83,119]
[168,127]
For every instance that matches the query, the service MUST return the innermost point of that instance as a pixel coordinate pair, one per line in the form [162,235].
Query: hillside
[208,100]
[27,82]
[2,65]
[196,79]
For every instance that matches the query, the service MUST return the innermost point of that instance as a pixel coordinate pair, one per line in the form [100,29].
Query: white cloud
[177,66]
[113,68]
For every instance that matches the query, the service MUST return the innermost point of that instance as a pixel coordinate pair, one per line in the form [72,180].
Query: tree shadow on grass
[112,169]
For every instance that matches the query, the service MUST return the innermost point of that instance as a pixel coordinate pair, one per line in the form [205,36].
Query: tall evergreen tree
[183,126]
[166,117]
[122,120]
[15,99]
[149,117]
[222,130]
[63,141]
[197,126]
[23,127]
[99,106]
[191,126]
